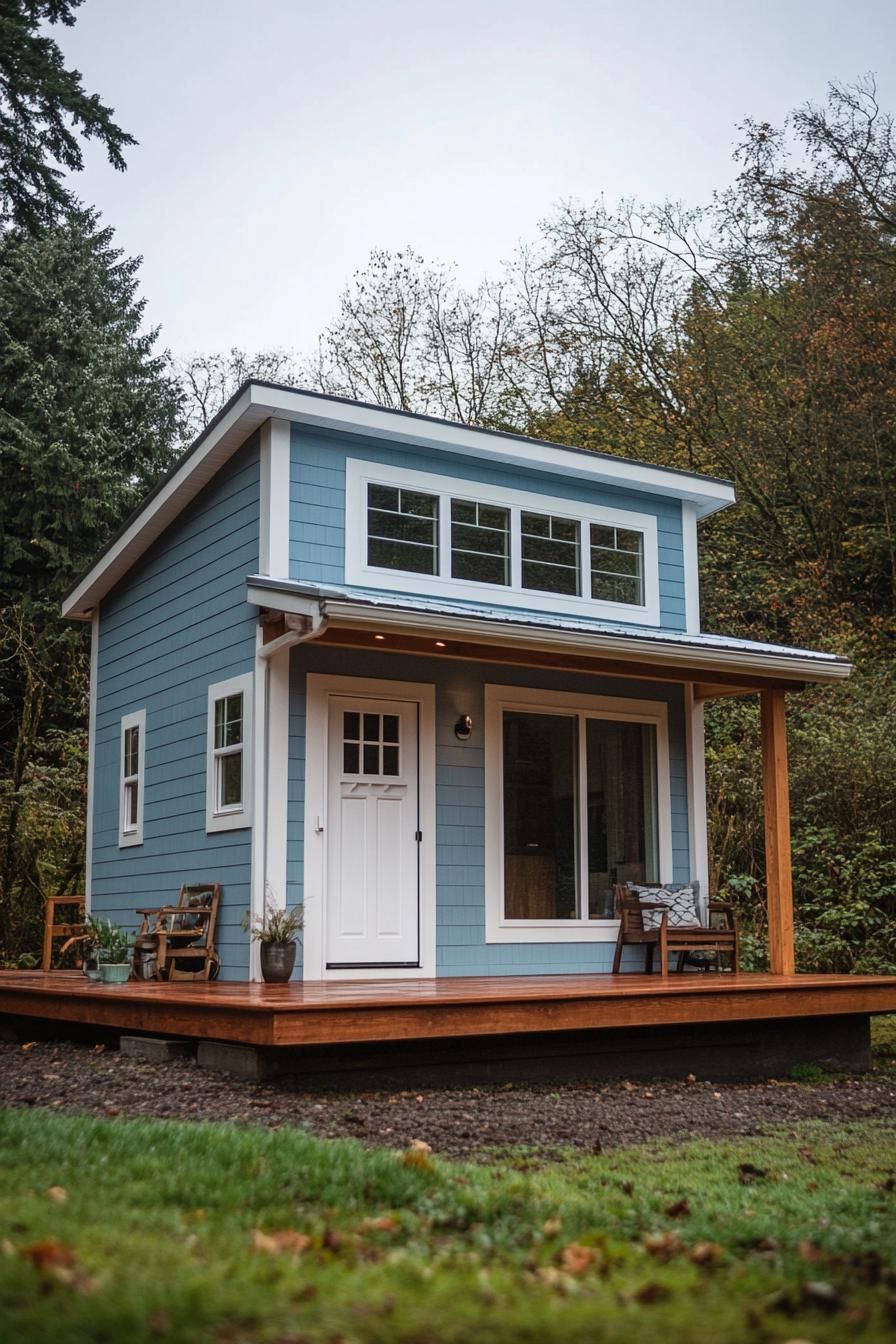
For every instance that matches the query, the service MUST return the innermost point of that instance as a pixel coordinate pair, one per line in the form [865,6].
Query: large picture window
[577,799]
[416,533]
[229,755]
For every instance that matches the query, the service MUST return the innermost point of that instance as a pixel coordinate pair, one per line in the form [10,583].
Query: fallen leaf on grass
[552,1226]
[286,1240]
[98,1050]
[417,1155]
[747,1173]
[706,1254]
[55,1261]
[662,1245]
[58,1194]
[384,1224]
[576,1259]
[680,1209]
[29,1045]
[809,1252]
[650,1293]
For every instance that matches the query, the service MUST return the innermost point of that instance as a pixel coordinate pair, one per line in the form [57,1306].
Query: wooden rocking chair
[711,940]
[181,938]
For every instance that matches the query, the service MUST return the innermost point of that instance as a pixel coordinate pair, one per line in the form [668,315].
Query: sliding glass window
[579,810]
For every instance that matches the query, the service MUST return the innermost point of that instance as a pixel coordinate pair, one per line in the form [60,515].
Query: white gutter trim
[358,616]
[316,624]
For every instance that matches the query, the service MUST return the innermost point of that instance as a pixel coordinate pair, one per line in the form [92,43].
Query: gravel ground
[456,1122]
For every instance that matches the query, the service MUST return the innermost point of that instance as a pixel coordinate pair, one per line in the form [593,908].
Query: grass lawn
[115,1230]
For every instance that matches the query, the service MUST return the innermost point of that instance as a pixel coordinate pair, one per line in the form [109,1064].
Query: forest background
[752,337]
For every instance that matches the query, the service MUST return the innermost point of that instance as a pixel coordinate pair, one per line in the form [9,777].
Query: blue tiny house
[441,686]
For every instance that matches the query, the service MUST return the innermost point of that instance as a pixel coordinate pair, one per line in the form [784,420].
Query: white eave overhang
[703,654]
[257,402]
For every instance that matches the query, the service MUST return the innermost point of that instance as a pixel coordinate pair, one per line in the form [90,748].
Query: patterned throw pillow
[680,902]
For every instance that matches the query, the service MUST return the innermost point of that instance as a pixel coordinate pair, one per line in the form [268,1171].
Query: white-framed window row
[229,755]
[577,791]
[132,773]
[414,532]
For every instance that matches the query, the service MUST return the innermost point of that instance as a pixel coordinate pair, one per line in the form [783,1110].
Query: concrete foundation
[155,1049]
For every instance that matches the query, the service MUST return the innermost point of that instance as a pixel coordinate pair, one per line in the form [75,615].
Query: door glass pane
[539,816]
[371,727]
[351,726]
[621,809]
[390,727]
[390,760]
[371,760]
[230,779]
[351,758]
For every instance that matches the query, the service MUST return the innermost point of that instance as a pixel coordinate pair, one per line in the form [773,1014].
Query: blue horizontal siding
[317,505]
[460,798]
[178,623]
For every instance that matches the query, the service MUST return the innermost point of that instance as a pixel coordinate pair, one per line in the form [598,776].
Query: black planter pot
[277,962]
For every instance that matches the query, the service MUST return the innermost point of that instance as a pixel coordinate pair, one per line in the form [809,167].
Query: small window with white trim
[130,802]
[229,776]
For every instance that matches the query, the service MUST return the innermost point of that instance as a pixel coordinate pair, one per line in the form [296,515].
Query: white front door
[372,903]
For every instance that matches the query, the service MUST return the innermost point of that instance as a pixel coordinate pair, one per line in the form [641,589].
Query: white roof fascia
[258,403]
[379,422]
[161,509]
[800,666]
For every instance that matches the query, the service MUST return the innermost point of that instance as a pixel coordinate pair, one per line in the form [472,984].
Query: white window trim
[497,699]
[234,819]
[359,474]
[127,838]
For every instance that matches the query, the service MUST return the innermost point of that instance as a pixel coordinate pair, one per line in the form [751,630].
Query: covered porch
[304,625]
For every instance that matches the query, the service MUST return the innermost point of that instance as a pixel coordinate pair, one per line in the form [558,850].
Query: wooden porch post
[777,833]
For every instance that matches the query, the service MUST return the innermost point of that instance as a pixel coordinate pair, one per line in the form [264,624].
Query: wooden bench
[711,939]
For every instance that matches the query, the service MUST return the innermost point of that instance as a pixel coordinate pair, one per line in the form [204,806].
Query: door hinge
[418,836]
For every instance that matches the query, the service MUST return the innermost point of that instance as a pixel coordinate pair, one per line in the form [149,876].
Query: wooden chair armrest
[720,905]
[167,910]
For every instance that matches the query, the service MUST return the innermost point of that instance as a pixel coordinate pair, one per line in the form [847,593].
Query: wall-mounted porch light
[463,729]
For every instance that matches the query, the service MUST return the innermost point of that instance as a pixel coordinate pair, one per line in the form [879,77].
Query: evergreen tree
[42,107]
[89,419]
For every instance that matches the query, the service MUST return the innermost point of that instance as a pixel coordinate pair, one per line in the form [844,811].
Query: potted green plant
[113,951]
[276,931]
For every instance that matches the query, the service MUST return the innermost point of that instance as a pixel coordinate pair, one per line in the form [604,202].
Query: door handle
[319,825]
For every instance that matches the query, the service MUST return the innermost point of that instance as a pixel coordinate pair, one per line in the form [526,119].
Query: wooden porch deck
[346,1012]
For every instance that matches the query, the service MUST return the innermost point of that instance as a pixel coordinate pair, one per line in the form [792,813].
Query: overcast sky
[282,140]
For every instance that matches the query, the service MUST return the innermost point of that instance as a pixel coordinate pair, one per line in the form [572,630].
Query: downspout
[300,630]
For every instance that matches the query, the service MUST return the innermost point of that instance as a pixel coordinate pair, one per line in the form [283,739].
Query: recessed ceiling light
[379,636]
[440,644]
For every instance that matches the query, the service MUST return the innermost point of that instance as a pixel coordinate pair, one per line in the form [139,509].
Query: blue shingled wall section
[460,841]
[317,495]
[177,623]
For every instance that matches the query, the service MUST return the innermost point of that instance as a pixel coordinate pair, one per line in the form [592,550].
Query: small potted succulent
[276,931]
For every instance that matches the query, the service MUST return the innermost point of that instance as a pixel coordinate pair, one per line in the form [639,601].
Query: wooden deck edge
[140,1015]
[414,1022]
